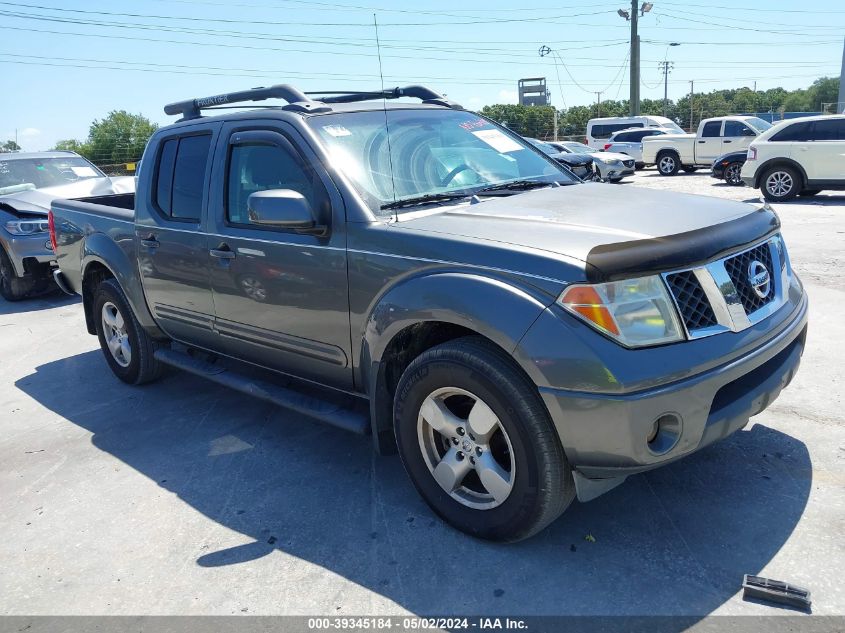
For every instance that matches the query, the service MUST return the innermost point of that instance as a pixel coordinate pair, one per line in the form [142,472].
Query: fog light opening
[664,433]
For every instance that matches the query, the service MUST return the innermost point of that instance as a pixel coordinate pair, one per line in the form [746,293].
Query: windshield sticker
[498,141]
[474,125]
[337,130]
[84,172]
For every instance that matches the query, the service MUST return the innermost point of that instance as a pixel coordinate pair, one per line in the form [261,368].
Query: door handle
[222,252]
[702,141]
[726,141]
[150,242]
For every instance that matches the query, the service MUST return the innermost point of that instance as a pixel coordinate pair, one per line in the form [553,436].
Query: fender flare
[780,160]
[101,249]
[499,311]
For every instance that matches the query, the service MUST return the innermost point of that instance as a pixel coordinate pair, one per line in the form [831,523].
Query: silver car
[610,167]
[630,142]
[29,182]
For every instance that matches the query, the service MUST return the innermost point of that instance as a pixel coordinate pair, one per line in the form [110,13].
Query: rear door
[736,136]
[170,234]
[708,146]
[281,297]
[823,157]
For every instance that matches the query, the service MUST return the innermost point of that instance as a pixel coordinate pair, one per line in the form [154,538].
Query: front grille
[692,302]
[737,269]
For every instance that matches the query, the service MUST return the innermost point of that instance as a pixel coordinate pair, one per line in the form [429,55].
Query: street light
[623,14]
[635,13]
[647,6]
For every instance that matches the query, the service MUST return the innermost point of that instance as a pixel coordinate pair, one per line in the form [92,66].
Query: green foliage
[9,146]
[118,138]
[538,122]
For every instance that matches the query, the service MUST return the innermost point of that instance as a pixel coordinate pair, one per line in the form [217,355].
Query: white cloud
[29,132]
[508,96]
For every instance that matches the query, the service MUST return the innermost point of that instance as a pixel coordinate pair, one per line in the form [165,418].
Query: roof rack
[301,101]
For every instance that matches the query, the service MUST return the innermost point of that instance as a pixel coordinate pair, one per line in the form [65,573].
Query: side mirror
[282,209]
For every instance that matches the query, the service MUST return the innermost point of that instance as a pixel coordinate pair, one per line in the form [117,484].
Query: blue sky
[64,63]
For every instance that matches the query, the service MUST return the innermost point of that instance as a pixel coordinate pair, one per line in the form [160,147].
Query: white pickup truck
[717,136]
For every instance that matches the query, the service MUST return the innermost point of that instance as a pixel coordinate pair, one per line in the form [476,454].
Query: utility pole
[842,85]
[666,67]
[691,97]
[635,61]
[598,107]
[555,120]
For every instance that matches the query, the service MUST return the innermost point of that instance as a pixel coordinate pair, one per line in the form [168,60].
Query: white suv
[798,157]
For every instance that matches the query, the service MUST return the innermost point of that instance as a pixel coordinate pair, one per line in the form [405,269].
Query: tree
[10,146]
[72,145]
[119,138]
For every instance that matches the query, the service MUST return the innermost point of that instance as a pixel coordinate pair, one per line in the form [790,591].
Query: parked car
[799,157]
[630,142]
[609,166]
[581,165]
[728,167]
[601,129]
[29,181]
[716,136]
[520,337]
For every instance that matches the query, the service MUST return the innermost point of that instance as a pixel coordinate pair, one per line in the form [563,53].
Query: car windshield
[45,172]
[758,124]
[429,155]
[671,125]
[579,148]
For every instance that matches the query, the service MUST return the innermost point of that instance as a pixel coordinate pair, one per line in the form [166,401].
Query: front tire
[478,443]
[128,349]
[668,163]
[12,287]
[733,174]
[780,184]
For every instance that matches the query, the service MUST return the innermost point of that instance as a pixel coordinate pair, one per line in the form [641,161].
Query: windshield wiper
[426,199]
[516,185]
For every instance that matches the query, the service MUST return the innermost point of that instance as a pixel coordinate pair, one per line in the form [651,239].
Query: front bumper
[605,436]
[28,247]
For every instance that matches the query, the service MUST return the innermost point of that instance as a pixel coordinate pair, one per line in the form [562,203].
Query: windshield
[758,124]
[434,153]
[670,125]
[45,172]
[579,148]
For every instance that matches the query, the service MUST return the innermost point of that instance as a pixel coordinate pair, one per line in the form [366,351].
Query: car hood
[588,221]
[609,156]
[38,200]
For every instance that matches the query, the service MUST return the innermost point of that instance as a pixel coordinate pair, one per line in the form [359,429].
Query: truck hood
[614,230]
[37,201]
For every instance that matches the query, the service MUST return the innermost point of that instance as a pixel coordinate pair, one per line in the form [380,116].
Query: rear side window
[829,130]
[794,132]
[711,129]
[604,130]
[180,184]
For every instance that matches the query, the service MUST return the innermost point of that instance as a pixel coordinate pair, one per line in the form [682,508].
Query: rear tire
[493,467]
[12,287]
[668,163]
[733,174]
[780,184]
[128,349]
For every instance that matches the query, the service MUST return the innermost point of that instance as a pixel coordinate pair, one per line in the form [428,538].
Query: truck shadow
[50,299]
[674,541]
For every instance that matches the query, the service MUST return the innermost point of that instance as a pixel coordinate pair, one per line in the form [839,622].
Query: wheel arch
[779,162]
[427,311]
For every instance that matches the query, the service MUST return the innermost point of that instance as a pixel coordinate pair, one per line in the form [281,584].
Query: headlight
[634,312]
[27,227]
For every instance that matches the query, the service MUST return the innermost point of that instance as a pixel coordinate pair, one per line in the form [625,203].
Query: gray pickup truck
[419,273]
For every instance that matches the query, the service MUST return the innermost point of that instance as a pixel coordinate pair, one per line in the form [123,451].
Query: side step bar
[322,410]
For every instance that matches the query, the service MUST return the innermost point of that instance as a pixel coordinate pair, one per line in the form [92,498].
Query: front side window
[737,128]
[793,132]
[259,167]
[180,183]
[403,154]
[711,129]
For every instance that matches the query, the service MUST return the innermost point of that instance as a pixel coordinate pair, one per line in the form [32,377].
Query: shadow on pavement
[674,541]
[52,299]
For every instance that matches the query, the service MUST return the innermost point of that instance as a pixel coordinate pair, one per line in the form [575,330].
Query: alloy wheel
[667,165]
[114,331]
[466,448]
[732,174]
[779,183]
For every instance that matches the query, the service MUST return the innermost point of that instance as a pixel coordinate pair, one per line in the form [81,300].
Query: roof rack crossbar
[426,95]
[191,108]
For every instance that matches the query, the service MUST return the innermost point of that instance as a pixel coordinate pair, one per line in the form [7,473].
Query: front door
[280,296]
[736,136]
[170,234]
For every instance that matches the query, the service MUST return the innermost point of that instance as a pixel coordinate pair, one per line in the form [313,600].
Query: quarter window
[180,184]
[259,167]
